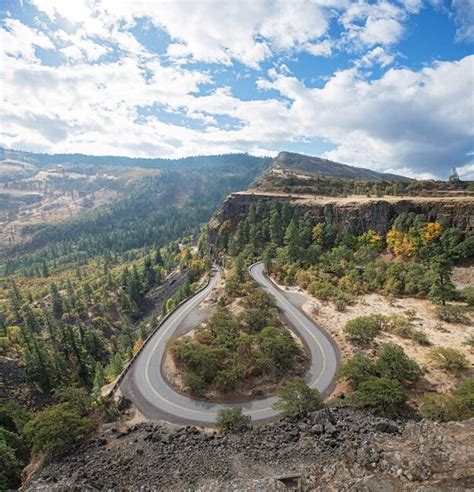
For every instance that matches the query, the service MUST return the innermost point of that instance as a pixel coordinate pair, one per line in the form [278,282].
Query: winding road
[145,386]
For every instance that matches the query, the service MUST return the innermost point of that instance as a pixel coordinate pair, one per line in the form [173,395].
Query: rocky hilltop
[307,164]
[332,449]
[356,214]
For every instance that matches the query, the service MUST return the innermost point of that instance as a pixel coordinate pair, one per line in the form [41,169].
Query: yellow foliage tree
[318,234]
[401,244]
[137,345]
[371,238]
[431,231]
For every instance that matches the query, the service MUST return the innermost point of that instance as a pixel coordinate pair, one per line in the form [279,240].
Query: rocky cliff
[356,214]
[332,449]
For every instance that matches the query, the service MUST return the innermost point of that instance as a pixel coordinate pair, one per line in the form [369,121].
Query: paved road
[145,386]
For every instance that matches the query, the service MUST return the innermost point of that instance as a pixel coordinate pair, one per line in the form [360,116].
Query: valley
[358,306]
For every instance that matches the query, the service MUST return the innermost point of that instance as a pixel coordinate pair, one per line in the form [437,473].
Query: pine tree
[292,241]
[276,231]
[149,273]
[442,289]
[99,379]
[57,305]
[158,258]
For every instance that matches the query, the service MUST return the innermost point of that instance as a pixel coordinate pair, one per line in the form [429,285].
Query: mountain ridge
[290,161]
[293,161]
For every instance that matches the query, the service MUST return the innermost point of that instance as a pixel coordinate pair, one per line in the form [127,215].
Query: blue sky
[380,84]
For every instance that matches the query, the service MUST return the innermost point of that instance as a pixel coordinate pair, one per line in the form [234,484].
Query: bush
[56,429]
[10,467]
[393,363]
[420,337]
[278,348]
[296,397]
[195,382]
[386,396]
[452,314]
[357,370]
[469,342]
[466,392]
[232,420]
[450,359]
[225,380]
[444,408]
[365,328]
[467,295]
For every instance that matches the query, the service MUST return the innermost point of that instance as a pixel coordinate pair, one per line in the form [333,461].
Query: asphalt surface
[145,386]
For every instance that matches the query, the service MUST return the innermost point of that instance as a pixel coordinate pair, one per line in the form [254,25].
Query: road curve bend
[145,385]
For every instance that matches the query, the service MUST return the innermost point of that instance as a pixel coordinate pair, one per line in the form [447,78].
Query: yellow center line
[248,412]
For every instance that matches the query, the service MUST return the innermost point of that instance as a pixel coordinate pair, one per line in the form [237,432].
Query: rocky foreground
[336,449]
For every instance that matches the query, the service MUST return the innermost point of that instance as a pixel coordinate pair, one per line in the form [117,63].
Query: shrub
[365,328]
[232,420]
[10,467]
[357,370]
[278,348]
[296,397]
[452,314]
[444,408]
[420,337]
[386,396]
[195,382]
[225,380]
[467,295]
[77,398]
[393,363]
[56,429]
[469,342]
[448,358]
[341,300]
[466,392]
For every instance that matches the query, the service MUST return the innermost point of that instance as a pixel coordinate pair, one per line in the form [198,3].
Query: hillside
[300,163]
[95,252]
[234,161]
[39,189]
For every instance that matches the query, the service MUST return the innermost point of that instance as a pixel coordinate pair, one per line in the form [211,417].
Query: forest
[343,187]
[78,299]
[336,264]
[414,259]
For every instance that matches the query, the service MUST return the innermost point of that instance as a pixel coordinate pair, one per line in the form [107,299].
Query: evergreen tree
[442,289]
[292,241]
[57,305]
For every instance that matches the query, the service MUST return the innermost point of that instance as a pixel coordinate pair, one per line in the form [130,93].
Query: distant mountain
[315,165]
[225,161]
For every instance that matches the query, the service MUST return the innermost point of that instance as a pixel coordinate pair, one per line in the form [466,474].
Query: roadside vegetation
[414,259]
[243,346]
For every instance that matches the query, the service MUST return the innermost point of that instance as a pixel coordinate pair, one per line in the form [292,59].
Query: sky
[387,85]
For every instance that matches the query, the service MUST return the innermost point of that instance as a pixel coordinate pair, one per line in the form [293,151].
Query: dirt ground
[439,333]
[322,199]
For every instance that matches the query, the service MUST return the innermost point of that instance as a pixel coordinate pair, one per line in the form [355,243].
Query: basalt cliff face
[355,214]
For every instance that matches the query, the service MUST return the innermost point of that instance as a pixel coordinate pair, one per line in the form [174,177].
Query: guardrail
[152,334]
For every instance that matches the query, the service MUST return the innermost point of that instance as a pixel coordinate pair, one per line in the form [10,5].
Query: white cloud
[407,120]
[464,17]
[19,40]
[404,119]
[467,172]
[368,24]
[376,56]
[324,48]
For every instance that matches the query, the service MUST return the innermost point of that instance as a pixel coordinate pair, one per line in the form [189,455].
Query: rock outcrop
[354,214]
[333,449]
